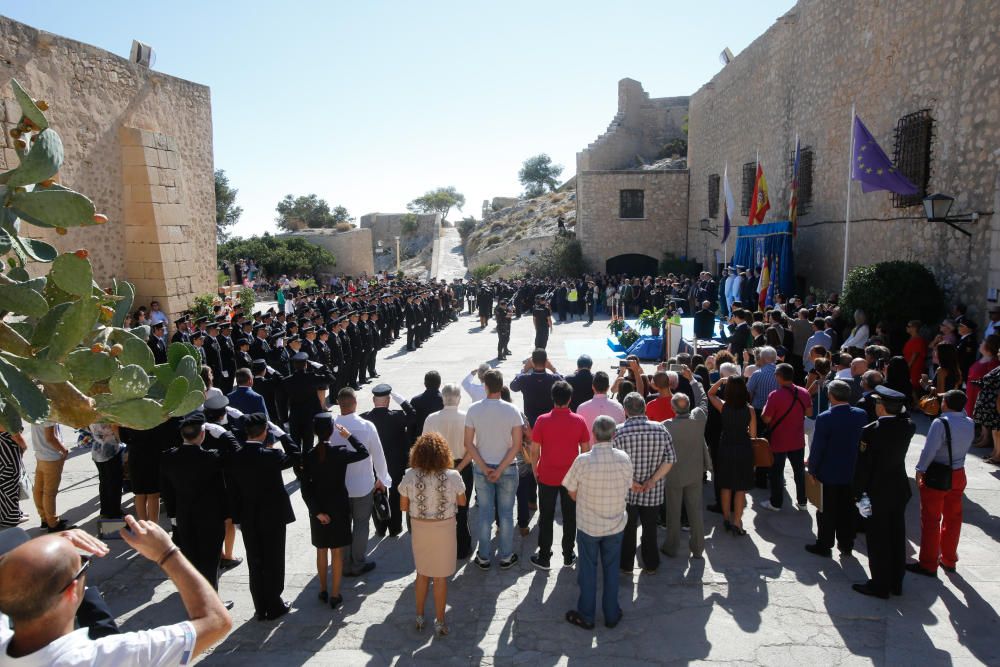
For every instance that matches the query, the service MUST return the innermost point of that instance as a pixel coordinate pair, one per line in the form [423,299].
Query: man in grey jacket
[683,482]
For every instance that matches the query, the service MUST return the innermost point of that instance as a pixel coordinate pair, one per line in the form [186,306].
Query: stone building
[414,240]
[137,142]
[629,210]
[925,79]
[352,249]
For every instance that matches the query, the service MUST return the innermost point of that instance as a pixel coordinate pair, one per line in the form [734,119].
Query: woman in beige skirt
[431,491]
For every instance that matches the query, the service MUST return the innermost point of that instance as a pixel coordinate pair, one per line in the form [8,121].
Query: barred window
[746,195]
[912,155]
[805,177]
[631,204]
[713,196]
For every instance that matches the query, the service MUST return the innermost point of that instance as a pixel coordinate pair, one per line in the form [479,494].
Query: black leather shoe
[279,612]
[866,589]
[818,550]
[917,568]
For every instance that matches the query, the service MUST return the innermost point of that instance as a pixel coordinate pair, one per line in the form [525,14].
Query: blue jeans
[609,548]
[500,495]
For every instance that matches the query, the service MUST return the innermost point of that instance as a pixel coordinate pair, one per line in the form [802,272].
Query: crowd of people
[619,455]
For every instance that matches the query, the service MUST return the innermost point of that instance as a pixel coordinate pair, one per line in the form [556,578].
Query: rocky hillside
[507,238]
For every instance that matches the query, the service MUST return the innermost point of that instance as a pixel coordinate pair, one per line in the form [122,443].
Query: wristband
[167,555]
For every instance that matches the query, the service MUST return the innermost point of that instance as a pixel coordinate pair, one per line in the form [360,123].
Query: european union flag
[873,167]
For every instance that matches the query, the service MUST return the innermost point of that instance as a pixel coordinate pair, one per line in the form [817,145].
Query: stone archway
[632,264]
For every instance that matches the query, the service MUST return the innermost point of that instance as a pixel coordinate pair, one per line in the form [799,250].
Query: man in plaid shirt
[651,449]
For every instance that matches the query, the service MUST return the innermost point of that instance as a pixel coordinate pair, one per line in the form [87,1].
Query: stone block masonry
[139,143]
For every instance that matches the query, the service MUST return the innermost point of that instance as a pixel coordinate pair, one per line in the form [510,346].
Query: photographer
[42,584]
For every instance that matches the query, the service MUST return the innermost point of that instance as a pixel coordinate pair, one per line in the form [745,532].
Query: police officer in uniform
[156,343]
[260,348]
[541,315]
[411,316]
[357,350]
[262,508]
[392,427]
[278,357]
[302,388]
[180,335]
[227,357]
[243,358]
[193,481]
[503,317]
[881,474]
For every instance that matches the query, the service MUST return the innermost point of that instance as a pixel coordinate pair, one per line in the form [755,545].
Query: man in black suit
[262,508]
[392,427]
[302,389]
[157,344]
[181,334]
[192,480]
[881,475]
[704,322]
[582,382]
[260,349]
[227,358]
[430,400]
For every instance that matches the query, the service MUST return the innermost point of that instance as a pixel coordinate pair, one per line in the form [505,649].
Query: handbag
[763,457]
[24,485]
[380,507]
[930,405]
[938,475]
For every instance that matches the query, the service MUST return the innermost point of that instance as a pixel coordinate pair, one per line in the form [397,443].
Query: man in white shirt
[43,605]
[475,390]
[600,404]
[492,440]
[363,478]
[50,455]
[450,423]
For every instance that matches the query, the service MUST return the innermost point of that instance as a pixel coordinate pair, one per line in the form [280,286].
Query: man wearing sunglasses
[42,584]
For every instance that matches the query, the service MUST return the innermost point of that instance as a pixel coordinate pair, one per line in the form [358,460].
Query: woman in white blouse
[859,334]
[431,491]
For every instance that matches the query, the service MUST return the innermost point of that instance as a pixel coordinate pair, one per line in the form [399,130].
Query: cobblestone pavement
[754,600]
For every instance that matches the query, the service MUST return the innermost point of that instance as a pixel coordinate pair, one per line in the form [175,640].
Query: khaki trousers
[48,474]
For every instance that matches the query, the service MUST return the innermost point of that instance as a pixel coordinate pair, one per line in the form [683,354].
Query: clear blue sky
[370,104]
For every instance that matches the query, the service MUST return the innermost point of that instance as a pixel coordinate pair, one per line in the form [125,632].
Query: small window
[805,177]
[713,196]
[746,194]
[631,204]
[912,155]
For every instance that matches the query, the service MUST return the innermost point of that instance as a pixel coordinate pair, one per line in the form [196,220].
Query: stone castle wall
[139,143]
[891,59]
[386,226]
[352,250]
[639,130]
[604,235]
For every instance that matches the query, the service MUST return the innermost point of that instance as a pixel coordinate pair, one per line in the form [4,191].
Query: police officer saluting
[305,390]
[392,427]
[880,477]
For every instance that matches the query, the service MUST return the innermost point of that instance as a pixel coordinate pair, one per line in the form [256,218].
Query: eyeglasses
[84,565]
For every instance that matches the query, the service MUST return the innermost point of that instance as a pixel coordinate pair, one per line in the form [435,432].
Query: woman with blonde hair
[431,492]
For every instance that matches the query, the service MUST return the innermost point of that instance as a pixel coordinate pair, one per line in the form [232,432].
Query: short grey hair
[839,391]
[767,354]
[680,403]
[728,369]
[483,367]
[634,404]
[872,379]
[604,429]
[674,379]
[451,393]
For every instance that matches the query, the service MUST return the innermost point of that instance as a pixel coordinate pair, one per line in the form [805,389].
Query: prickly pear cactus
[64,354]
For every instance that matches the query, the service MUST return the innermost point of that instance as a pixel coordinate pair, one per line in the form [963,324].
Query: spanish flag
[763,284]
[760,203]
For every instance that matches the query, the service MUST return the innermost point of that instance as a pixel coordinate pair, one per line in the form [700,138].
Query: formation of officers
[270,377]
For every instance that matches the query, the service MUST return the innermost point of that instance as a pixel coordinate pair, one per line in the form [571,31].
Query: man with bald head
[42,584]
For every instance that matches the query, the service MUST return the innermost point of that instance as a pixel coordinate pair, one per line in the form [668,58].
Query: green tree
[308,211]
[440,200]
[564,257]
[893,292]
[538,173]
[279,256]
[227,213]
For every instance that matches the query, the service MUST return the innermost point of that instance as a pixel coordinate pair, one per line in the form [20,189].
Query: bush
[683,266]
[493,240]
[278,256]
[485,271]
[247,299]
[409,224]
[344,227]
[202,304]
[466,227]
[563,258]
[894,292]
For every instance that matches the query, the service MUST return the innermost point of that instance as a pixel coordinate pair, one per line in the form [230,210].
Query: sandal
[576,619]
[440,629]
[738,531]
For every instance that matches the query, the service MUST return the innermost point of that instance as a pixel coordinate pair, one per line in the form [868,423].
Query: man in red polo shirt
[556,439]
[785,413]
[659,409]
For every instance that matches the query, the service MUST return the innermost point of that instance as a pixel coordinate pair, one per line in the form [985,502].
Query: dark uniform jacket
[159,349]
[257,493]
[881,468]
[394,429]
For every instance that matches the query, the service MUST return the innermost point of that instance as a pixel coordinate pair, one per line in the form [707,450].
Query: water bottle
[865,506]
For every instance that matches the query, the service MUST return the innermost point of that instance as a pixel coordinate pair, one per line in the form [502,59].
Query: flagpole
[725,201]
[847,214]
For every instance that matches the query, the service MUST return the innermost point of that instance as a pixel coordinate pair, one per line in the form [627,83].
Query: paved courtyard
[755,600]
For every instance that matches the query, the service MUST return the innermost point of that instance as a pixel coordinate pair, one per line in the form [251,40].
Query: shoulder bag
[938,475]
[763,457]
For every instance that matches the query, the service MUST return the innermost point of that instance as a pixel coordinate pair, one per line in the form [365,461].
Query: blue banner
[772,240]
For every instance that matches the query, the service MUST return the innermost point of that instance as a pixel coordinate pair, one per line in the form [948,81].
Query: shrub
[247,299]
[466,226]
[201,305]
[495,239]
[564,257]
[344,227]
[408,224]
[485,271]
[893,292]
